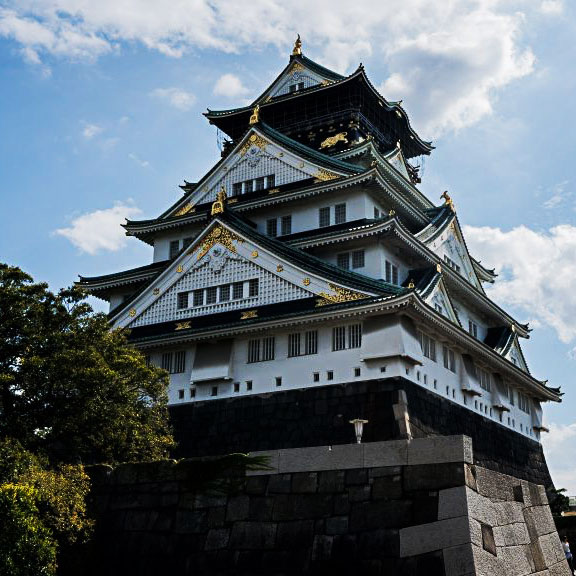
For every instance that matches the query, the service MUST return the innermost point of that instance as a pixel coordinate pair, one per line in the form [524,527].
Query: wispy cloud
[559,195]
[537,272]
[175,97]
[99,231]
[230,86]
[91,130]
[135,158]
[552,6]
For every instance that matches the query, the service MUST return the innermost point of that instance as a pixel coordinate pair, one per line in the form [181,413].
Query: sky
[101,119]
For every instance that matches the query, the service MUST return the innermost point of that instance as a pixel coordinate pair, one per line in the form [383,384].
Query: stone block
[304,482]
[253,536]
[488,542]
[379,543]
[322,548]
[358,493]
[434,536]
[359,476]
[458,560]
[387,487]
[136,520]
[302,506]
[482,508]
[280,484]
[341,504]
[256,485]
[425,508]
[494,485]
[337,525]
[551,548]
[508,512]
[216,517]
[238,508]
[296,534]
[428,477]
[380,514]
[261,508]
[316,458]
[217,539]
[470,477]
[452,502]
[331,481]
[560,569]
[384,471]
[542,518]
[391,453]
[191,521]
[440,449]
[516,559]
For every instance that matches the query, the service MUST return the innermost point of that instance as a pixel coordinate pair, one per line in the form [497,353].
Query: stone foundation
[418,507]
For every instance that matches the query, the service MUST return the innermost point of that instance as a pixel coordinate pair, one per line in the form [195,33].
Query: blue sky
[100,119]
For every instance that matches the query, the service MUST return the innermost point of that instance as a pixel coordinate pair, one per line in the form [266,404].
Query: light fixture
[358,428]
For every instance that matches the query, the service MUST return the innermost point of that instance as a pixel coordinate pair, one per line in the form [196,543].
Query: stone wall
[401,507]
[321,415]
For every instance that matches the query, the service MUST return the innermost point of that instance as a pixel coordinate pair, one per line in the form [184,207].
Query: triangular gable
[258,155]
[397,160]
[515,355]
[439,299]
[222,256]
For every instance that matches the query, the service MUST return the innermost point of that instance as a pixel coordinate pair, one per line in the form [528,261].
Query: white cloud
[175,97]
[559,195]
[138,160]
[100,231]
[447,60]
[91,130]
[230,86]
[558,444]
[537,272]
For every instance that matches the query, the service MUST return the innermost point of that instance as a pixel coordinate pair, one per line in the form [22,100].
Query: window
[358,259]
[211,295]
[253,185]
[214,391]
[260,350]
[186,242]
[356,372]
[484,379]
[340,213]
[253,287]
[236,386]
[258,184]
[316,377]
[310,340]
[343,260]
[524,403]
[391,273]
[167,361]
[180,394]
[473,328]
[428,346]
[296,87]
[180,362]
[376,213]
[278,380]
[237,189]
[449,359]
[511,394]
[330,375]
[346,337]
[272,227]
[174,248]
[270,181]
[198,297]
[182,300]
[192,392]
[452,264]
[248,385]
[324,217]
[237,290]
[286,225]
[225,293]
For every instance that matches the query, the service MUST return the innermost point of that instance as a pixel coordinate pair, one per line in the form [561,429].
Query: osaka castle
[305,281]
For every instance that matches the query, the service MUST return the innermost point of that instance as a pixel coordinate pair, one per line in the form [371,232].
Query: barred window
[211,295]
[428,346]
[225,293]
[311,342]
[174,248]
[358,259]
[293,345]
[259,184]
[253,351]
[449,359]
[198,297]
[338,338]
[253,287]
[340,213]
[343,260]
[524,403]
[286,225]
[355,336]
[270,181]
[179,362]
[237,290]
[391,273]
[473,328]
[452,264]
[324,217]
[167,361]
[182,300]
[272,227]
[260,350]
[268,348]
[484,379]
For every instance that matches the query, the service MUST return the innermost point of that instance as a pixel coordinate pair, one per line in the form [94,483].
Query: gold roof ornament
[447,200]
[255,118]
[392,212]
[297,50]
[218,205]
[411,285]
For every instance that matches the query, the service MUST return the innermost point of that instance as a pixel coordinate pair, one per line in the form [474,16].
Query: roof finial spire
[297,51]
[218,205]
[255,118]
[447,200]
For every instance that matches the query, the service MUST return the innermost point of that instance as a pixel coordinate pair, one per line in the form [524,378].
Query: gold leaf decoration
[248,314]
[186,209]
[254,254]
[341,295]
[156,291]
[323,175]
[218,235]
[180,269]
[183,325]
[273,190]
[333,140]
[132,312]
[279,268]
[306,281]
[254,140]
[296,67]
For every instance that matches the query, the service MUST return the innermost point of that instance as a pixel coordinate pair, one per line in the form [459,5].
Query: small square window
[272,227]
[248,385]
[236,386]
[237,290]
[180,394]
[330,375]
[356,372]
[340,213]
[286,225]
[278,381]
[382,369]
[214,391]
[316,377]
[192,392]
[253,287]
[211,295]
[198,297]
[343,260]
[358,259]
[174,248]
[324,217]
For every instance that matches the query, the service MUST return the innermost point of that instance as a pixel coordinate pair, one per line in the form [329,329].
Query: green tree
[70,387]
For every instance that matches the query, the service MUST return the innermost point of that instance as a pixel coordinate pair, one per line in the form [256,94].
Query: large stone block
[217,539]
[434,536]
[302,506]
[331,481]
[391,453]
[440,449]
[380,514]
[295,534]
[426,477]
[379,543]
[238,508]
[305,482]
[387,487]
[459,560]
[452,502]
[253,536]
[338,457]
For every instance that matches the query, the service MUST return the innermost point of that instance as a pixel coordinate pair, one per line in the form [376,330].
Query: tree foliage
[70,387]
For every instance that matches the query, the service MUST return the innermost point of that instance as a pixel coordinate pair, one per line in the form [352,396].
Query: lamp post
[358,428]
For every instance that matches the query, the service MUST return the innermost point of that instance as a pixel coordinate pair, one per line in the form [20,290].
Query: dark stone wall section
[320,416]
